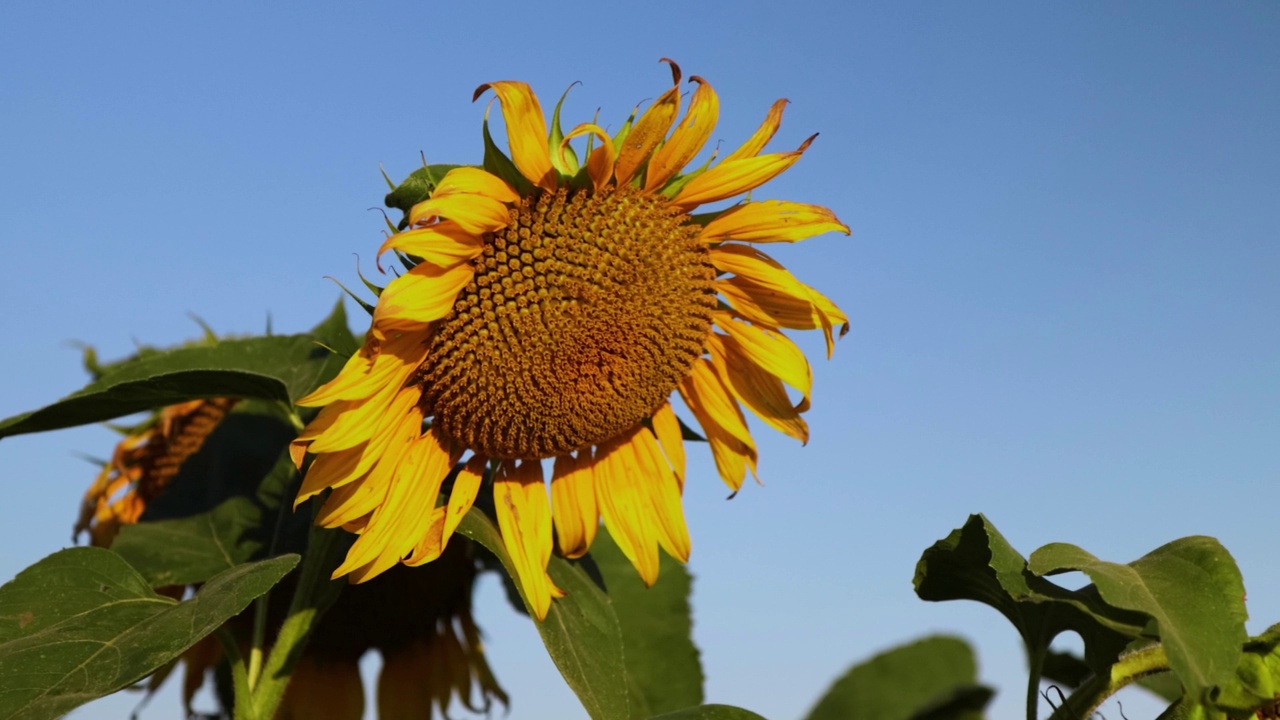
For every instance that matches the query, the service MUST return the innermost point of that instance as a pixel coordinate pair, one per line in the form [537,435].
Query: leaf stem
[1128,669]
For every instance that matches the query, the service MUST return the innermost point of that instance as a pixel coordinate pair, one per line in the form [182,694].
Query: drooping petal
[623,504]
[763,134]
[463,495]
[443,244]
[378,363]
[667,427]
[476,214]
[660,488]
[733,177]
[771,221]
[573,503]
[762,392]
[771,351]
[400,420]
[323,688]
[526,131]
[688,137]
[648,131]
[600,162]
[721,419]
[766,293]
[524,517]
[422,295]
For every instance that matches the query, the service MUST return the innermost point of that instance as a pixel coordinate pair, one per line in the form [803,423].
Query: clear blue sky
[1064,273]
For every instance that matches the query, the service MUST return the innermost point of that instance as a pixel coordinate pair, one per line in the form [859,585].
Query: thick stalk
[1089,697]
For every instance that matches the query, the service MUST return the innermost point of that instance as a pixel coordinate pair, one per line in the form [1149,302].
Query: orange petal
[600,163]
[688,137]
[772,351]
[524,517]
[771,221]
[423,294]
[443,244]
[733,177]
[648,131]
[476,214]
[573,503]
[760,391]
[667,427]
[763,134]
[526,131]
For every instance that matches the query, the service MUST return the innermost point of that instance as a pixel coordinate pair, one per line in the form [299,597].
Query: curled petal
[760,391]
[688,137]
[733,177]
[526,131]
[763,134]
[721,419]
[600,163]
[648,131]
[474,181]
[771,221]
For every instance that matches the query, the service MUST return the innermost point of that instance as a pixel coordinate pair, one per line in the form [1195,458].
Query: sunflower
[550,311]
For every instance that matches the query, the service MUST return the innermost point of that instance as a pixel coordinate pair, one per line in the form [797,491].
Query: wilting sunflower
[418,619]
[550,311]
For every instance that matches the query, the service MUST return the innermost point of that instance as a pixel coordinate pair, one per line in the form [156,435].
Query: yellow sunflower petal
[444,244]
[688,137]
[662,491]
[734,177]
[335,469]
[762,392]
[524,517]
[526,131]
[476,214]
[771,221]
[473,180]
[404,516]
[648,131]
[573,503]
[377,364]
[667,427]
[763,134]
[463,495]
[600,162]
[721,419]
[772,351]
[423,294]
[623,504]
[764,290]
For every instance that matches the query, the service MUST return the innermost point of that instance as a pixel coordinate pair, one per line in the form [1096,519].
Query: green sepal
[367,307]
[415,188]
[625,130]
[567,164]
[676,184]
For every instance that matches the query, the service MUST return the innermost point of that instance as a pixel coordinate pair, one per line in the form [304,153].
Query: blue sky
[1063,276]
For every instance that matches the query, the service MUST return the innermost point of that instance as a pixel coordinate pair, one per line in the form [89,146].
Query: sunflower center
[584,314]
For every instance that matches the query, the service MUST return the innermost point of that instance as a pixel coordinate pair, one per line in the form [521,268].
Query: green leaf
[334,332]
[81,623]
[710,712]
[416,188]
[1190,588]
[936,677]
[662,662]
[281,369]
[581,632]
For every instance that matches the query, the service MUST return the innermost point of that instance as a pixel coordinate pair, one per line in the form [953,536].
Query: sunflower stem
[314,594]
[1086,699]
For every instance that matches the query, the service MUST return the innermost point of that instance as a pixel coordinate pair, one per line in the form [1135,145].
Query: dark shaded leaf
[81,624]
[662,662]
[1190,588]
[936,677]
[581,633]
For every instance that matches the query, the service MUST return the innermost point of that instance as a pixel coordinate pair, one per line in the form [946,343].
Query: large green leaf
[936,677]
[710,712]
[279,368]
[975,562]
[81,624]
[662,662]
[1190,588]
[581,632]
